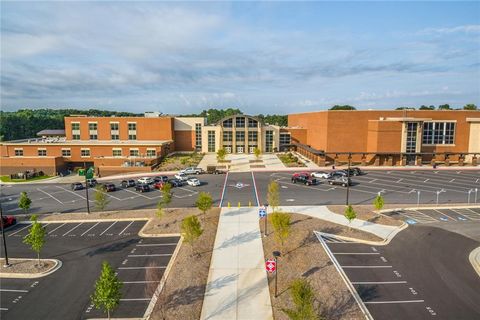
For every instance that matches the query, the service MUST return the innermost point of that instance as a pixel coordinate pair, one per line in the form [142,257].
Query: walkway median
[20,268]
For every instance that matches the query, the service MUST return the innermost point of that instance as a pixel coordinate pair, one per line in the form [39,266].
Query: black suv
[175,182]
[128,183]
[354,171]
[109,187]
[160,179]
[142,187]
[305,179]
[340,180]
[77,186]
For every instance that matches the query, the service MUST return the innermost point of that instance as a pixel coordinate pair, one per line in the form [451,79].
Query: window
[18,152]
[269,141]
[75,126]
[252,123]
[132,137]
[115,137]
[117,152]
[240,136]
[240,122]
[284,138]
[151,153]
[75,131]
[252,136]
[42,152]
[66,153]
[85,153]
[132,126]
[93,137]
[75,137]
[438,133]
[92,126]
[211,141]
[411,146]
[227,136]
[228,123]
[134,153]
[114,126]
[198,136]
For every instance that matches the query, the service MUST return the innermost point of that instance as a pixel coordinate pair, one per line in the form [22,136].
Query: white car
[194,182]
[145,180]
[321,174]
[181,176]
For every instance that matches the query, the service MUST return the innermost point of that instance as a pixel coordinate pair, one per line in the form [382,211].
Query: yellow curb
[11,275]
[474,258]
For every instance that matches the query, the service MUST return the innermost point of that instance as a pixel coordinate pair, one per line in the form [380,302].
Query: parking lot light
[438,193]
[476,190]
[6,265]
[470,191]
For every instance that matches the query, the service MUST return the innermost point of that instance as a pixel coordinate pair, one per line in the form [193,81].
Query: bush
[303,298]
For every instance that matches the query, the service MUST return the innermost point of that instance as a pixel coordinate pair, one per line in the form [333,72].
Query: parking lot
[139,262]
[413,216]
[405,187]
[423,273]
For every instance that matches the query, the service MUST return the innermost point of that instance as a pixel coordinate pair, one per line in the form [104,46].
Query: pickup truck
[192,170]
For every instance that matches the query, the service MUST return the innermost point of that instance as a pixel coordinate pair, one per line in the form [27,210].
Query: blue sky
[263,57]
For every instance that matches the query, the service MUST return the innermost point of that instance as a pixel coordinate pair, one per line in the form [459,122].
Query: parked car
[181,176]
[109,187]
[192,170]
[76,186]
[194,182]
[160,179]
[338,173]
[304,178]
[340,180]
[142,187]
[357,171]
[215,170]
[175,182]
[321,174]
[8,221]
[158,185]
[145,180]
[128,183]
[92,183]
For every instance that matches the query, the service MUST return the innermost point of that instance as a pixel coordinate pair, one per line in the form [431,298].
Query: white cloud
[467,29]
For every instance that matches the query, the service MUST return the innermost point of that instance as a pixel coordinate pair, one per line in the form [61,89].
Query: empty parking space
[433,215]
[13,291]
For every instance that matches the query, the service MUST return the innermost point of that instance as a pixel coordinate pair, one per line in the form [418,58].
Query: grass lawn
[180,161]
[289,160]
[7,179]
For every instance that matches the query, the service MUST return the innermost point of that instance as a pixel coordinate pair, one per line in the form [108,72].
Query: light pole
[266,216]
[348,177]
[476,190]
[276,254]
[418,198]
[469,191]
[6,265]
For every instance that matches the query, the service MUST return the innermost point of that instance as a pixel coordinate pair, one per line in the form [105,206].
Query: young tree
[303,298]
[166,191]
[107,290]
[350,214]
[204,202]
[221,154]
[257,152]
[191,229]
[379,202]
[273,196]
[35,237]
[24,202]
[101,200]
[281,225]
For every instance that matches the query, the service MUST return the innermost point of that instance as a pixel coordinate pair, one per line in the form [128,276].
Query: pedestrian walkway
[237,286]
[322,212]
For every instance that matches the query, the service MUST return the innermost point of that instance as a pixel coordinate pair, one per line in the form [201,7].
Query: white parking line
[134,282]
[48,194]
[156,244]
[12,290]
[109,195]
[126,228]
[137,299]
[72,229]
[378,282]
[108,228]
[138,194]
[3,309]
[136,268]
[368,267]
[337,253]
[396,301]
[66,190]
[90,229]
[150,255]
[56,228]
[28,225]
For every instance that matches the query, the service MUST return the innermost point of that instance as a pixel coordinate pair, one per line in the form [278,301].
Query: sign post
[276,254]
[88,175]
[262,213]
[3,236]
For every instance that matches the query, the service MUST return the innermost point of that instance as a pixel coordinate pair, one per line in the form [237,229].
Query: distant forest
[25,123]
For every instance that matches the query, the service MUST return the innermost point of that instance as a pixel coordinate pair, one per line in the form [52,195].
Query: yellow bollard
[249,204]
[229,204]
[239,204]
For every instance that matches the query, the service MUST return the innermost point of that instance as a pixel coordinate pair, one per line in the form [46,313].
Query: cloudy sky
[270,57]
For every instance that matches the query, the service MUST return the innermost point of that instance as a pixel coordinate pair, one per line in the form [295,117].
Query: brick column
[418,160]
[447,160]
[404,160]
[461,160]
[364,160]
[377,160]
[474,160]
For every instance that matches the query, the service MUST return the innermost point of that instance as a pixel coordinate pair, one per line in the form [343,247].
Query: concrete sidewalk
[322,212]
[237,286]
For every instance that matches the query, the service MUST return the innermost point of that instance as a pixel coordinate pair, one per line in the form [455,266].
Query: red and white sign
[270,265]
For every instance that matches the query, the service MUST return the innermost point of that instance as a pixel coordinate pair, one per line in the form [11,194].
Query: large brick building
[395,137]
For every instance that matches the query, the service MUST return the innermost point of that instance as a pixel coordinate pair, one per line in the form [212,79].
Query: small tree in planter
[221,154]
[257,152]
[379,202]
[303,297]
[204,203]
[191,229]
[281,225]
[35,237]
[166,191]
[273,195]
[24,202]
[107,292]
[350,214]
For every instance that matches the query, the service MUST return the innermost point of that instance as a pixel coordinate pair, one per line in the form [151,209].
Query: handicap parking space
[434,215]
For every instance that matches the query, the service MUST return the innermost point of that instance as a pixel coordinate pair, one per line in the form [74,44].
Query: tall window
[75,137]
[114,126]
[211,141]
[438,133]
[284,138]
[252,123]
[240,136]
[66,153]
[411,146]
[18,152]
[93,136]
[75,126]
[132,126]
[228,123]
[92,126]
[269,141]
[252,136]
[114,135]
[227,136]
[198,136]
[151,153]
[85,153]
[75,131]
[240,122]
[42,152]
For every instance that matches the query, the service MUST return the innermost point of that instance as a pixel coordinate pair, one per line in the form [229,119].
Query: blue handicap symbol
[443,219]
[410,221]
[462,219]
[262,213]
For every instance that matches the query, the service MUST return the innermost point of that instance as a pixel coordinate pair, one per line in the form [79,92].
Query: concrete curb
[28,182]
[56,266]
[452,206]
[474,258]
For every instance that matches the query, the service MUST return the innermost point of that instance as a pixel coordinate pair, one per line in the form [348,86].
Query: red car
[159,185]
[8,221]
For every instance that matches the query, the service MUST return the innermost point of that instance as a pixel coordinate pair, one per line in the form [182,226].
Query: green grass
[7,179]
[180,161]
[290,160]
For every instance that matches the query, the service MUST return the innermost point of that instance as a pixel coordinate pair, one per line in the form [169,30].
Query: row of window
[240,123]
[240,136]
[438,133]
[114,131]
[85,152]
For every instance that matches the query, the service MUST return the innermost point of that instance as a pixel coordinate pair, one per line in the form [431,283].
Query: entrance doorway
[240,149]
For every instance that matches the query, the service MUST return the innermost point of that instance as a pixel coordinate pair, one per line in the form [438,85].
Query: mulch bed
[26,266]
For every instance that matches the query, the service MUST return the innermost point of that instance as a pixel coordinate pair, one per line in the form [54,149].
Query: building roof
[65,142]
[51,132]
